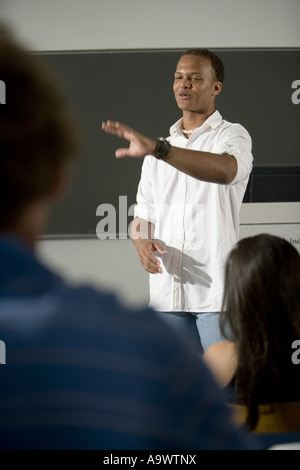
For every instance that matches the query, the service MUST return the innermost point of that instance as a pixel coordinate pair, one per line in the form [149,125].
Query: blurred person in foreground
[81,371]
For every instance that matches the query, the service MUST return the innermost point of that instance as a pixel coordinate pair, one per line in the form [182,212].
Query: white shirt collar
[213,121]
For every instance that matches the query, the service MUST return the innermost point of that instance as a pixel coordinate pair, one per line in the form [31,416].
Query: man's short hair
[216,63]
[37,131]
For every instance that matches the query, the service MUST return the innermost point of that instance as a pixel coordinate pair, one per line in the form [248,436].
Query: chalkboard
[261,91]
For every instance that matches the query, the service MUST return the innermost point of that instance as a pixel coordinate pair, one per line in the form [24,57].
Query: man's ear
[217,88]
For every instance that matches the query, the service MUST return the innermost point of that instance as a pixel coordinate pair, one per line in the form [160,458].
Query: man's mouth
[184,96]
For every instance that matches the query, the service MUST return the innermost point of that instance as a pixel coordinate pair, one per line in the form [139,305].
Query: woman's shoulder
[221,359]
[217,350]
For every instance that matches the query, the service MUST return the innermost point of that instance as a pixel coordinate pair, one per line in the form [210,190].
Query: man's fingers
[159,248]
[139,144]
[116,128]
[151,267]
[122,152]
[111,127]
[150,262]
[108,126]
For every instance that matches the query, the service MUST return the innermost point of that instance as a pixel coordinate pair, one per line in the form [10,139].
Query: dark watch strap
[162,148]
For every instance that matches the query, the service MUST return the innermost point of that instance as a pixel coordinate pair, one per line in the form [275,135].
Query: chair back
[273,417]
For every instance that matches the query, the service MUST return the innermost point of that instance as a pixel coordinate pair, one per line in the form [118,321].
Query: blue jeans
[200,330]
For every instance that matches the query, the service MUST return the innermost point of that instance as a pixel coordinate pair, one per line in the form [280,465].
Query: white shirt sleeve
[144,198]
[238,143]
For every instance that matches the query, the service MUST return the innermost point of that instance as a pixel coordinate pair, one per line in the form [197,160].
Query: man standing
[188,201]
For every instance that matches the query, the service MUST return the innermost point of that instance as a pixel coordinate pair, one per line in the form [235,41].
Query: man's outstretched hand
[139,144]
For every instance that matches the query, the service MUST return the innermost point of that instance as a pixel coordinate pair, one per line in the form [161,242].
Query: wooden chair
[273,417]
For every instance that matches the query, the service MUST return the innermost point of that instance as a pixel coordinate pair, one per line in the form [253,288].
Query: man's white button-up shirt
[196,222]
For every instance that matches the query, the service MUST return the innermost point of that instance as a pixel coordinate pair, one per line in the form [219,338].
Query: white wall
[136,24]
[127,24]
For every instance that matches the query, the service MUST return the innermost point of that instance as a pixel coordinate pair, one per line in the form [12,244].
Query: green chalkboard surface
[261,91]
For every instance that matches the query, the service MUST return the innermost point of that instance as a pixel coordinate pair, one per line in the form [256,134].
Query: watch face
[162,148]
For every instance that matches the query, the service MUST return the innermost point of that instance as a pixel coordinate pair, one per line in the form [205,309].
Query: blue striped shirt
[84,372]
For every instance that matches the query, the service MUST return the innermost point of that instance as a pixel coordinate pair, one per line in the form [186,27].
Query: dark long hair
[261,305]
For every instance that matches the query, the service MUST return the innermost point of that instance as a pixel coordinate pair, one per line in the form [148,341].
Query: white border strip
[270,213]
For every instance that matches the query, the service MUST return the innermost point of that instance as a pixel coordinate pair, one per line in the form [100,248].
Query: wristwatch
[162,148]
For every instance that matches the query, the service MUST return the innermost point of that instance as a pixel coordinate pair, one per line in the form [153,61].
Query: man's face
[195,85]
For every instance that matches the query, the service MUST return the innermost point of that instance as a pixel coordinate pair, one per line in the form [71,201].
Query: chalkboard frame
[135,86]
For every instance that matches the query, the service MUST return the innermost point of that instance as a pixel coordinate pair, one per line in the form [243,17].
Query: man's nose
[185,83]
